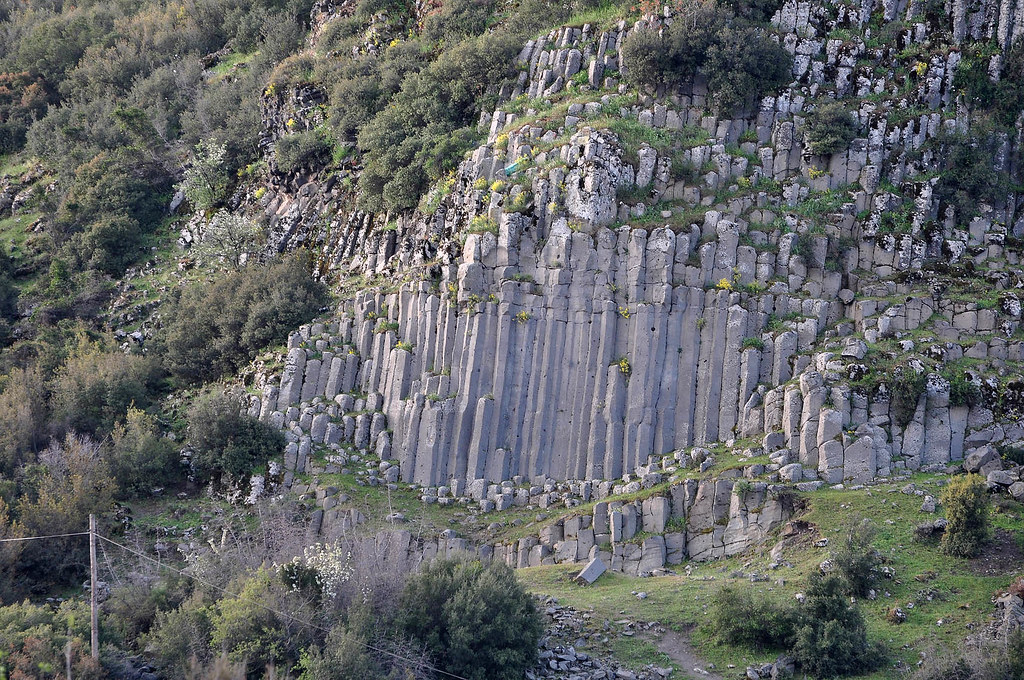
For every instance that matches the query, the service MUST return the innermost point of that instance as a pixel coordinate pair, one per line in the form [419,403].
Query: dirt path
[678,648]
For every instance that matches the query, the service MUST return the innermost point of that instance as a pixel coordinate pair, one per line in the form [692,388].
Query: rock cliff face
[576,308]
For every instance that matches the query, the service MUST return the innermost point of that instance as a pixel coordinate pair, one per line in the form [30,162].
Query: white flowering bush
[323,567]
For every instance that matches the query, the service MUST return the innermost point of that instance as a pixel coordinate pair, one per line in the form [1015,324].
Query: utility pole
[93,595]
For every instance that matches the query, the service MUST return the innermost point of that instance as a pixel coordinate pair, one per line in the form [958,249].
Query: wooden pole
[93,594]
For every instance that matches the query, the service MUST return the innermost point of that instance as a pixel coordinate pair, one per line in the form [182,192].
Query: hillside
[692,290]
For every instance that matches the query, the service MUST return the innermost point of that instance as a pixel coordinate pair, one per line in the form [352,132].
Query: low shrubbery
[830,128]
[966,504]
[303,149]
[455,615]
[215,328]
[831,637]
[225,440]
[826,634]
[738,59]
[856,560]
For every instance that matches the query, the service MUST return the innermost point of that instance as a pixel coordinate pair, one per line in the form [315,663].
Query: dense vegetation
[113,110]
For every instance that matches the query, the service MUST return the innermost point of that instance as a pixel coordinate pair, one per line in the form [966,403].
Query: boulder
[983,460]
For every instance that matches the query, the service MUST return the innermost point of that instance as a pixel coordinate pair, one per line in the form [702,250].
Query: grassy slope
[960,598]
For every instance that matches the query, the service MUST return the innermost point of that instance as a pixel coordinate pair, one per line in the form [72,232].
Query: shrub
[225,440]
[180,636]
[831,638]
[967,515]
[1003,98]
[474,620]
[743,64]
[113,201]
[140,457]
[38,640]
[457,19]
[905,389]
[71,481]
[963,392]
[302,149]
[970,177]
[421,134]
[249,632]
[94,389]
[343,657]
[22,417]
[738,617]
[830,128]
[214,329]
[643,56]
[857,560]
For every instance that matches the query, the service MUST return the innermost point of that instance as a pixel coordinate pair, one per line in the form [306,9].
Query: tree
[830,128]
[206,176]
[224,440]
[831,638]
[966,514]
[857,560]
[227,238]
[139,457]
[474,620]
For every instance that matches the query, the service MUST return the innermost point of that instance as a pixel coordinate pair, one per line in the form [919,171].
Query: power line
[36,538]
[274,611]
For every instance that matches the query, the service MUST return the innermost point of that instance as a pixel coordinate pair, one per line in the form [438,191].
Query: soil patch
[678,648]
[1002,555]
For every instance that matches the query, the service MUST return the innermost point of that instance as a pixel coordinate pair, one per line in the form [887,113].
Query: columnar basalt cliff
[575,305]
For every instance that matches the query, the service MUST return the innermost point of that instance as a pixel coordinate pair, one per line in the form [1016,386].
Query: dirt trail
[678,648]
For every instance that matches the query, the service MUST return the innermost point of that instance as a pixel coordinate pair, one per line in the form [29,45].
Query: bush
[225,440]
[302,149]
[249,632]
[343,657]
[140,457]
[457,19]
[1003,98]
[643,56]
[830,128]
[214,329]
[857,560]
[738,617]
[905,389]
[113,202]
[94,389]
[424,130]
[831,638]
[970,177]
[22,417]
[180,636]
[71,481]
[474,620]
[966,506]
[743,64]
[963,392]
[35,639]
